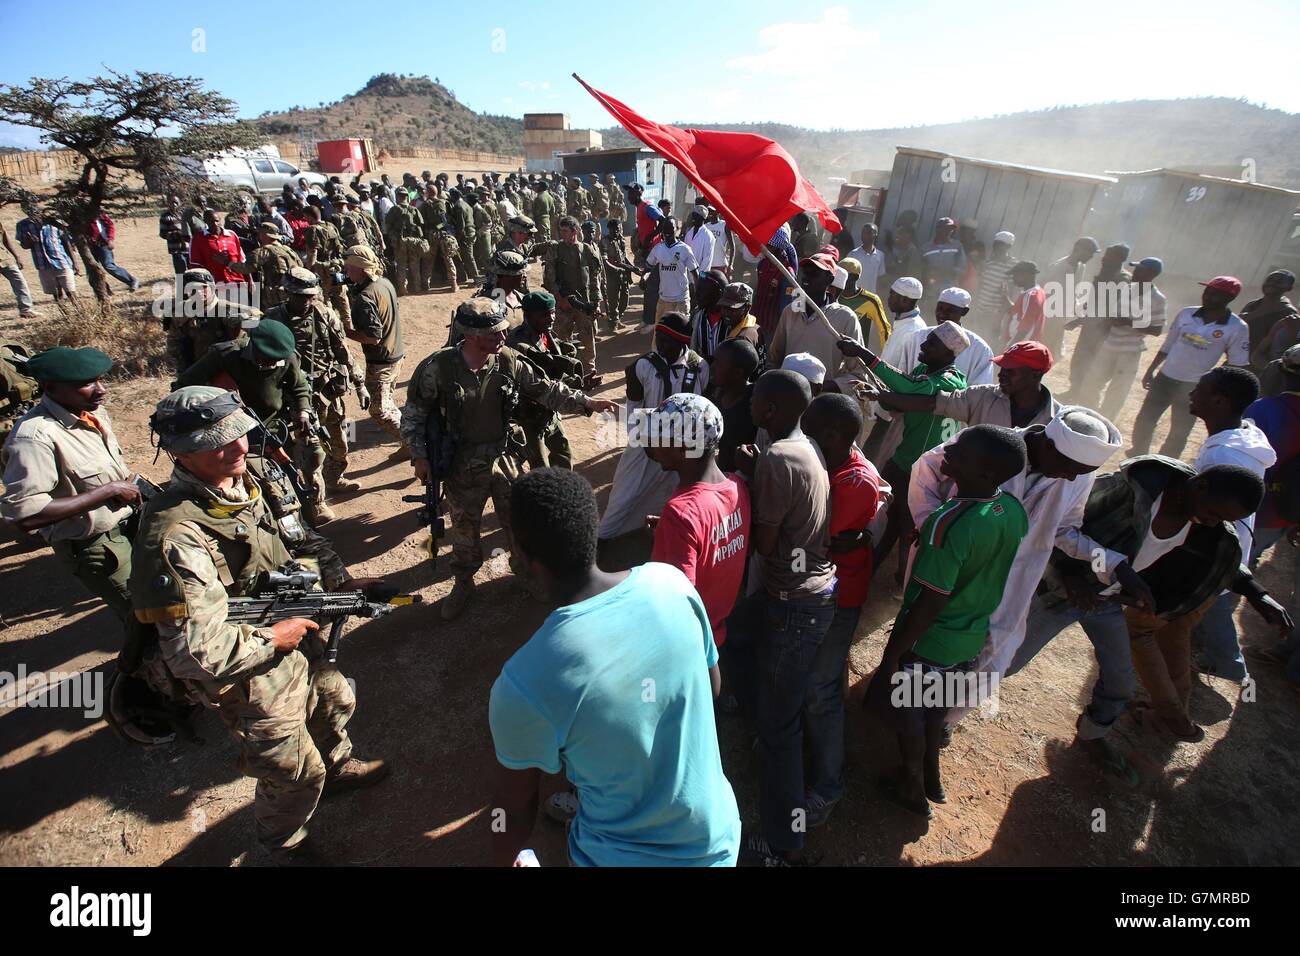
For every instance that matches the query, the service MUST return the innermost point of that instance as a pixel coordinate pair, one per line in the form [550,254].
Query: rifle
[441,449]
[280,595]
[274,449]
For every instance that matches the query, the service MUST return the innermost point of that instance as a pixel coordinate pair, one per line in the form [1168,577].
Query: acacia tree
[119,124]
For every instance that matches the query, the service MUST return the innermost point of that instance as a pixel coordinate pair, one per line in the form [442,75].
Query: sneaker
[561,806]
[354,774]
[817,808]
[756,851]
[134,285]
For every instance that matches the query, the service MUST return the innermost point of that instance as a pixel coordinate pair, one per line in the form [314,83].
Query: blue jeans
[772,646]
[824,708]
[1116,678]
[104,256]
[1165,393]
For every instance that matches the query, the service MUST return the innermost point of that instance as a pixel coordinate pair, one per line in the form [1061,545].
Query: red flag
[754,183]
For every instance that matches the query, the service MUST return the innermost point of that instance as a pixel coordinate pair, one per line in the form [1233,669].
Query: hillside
[1140,134]
[399,111]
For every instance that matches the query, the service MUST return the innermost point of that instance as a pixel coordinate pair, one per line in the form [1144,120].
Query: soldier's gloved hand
[288,634]
[421,466]
[363,397]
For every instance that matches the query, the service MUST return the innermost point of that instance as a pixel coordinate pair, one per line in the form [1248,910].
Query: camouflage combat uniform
[566,274]
[324,256]
[461,219]
[270,264]
[545,443]
[476,409]
[404,236]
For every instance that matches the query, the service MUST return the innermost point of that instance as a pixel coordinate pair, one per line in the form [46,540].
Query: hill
[398,111]
[1210,134]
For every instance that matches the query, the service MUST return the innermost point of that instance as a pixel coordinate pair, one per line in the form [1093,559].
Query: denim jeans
[1165,393]
[104,256]
[1106,629]
[824,707]
[772,647]
[18,282]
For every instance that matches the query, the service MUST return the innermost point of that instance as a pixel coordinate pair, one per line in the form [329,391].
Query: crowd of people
[779,442]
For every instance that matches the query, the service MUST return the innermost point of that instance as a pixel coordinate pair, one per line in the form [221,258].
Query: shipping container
[350,156]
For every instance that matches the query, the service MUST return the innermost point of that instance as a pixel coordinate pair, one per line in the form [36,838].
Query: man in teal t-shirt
[963,556]
[921,430]
[616,689]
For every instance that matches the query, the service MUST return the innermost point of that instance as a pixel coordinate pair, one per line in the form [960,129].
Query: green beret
[62,364]
[538,302]
[273,339]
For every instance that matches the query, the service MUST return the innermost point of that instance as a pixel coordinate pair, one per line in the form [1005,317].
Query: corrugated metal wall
[1045,212]
[1200,227]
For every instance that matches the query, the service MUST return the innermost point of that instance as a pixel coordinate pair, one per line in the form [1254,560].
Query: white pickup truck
[260,173]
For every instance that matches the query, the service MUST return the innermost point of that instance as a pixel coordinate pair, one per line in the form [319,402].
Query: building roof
[1203,177]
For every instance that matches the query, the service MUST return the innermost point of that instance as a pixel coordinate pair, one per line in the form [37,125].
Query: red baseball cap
[1030,355]
[831,251]
[821,261]
[1228,284]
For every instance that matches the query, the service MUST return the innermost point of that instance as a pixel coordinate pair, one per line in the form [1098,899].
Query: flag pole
[807,298]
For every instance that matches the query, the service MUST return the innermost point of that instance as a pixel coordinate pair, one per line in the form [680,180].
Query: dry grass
[124,329]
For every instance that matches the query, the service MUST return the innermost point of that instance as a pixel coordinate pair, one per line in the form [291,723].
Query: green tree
[121,124]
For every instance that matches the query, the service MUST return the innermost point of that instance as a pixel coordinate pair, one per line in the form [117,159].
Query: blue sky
[849,65]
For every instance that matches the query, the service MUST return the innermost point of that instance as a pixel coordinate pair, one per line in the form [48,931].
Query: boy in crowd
[921,431]
[833,421]
[776,632]
[704,527]
[964,555]
[647,767]
[730,389]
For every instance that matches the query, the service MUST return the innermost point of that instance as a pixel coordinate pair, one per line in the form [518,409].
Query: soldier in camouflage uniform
[545,212]
[374,237]
[268,264]
[204,539]
[321,343]
[618,273]
[615,199]
[595,264]
[324,256]
[404,236]
[505,286]
[565,277]
[461,219]
[201,319]
[433,209]
[576,200]
[350,223]
[599,201]
[474,388]
[544,440]
[377,325]
[520,232]
[482,231]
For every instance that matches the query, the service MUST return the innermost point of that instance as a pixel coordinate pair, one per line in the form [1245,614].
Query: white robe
[1054,508]
[640,486]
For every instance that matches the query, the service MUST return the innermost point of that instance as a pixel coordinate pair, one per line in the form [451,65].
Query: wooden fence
[41,165]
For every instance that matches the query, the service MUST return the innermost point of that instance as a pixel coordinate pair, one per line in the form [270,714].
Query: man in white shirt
[677,268]
[1121,350]
[700,239]
[1197,339]
[870,258]
[724,244]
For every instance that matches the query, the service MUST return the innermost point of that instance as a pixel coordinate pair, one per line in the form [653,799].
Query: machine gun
[281,595]
[441,449]
[579,301]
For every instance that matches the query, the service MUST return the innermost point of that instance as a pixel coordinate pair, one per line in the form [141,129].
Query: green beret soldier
[64,475]
[270,262]
[474,389]
[321,343]
[205,538]
[544,440]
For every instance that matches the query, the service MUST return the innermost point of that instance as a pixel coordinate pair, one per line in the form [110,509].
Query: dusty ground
[71,792]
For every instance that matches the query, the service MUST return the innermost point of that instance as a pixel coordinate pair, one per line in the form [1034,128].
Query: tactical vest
[277,261]
[242,544]
[451,396]
[329,246]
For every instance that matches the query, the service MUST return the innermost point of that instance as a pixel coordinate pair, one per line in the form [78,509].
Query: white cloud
[793,50]
[534,85]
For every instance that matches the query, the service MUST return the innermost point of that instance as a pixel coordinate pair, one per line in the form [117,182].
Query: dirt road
[71,792]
